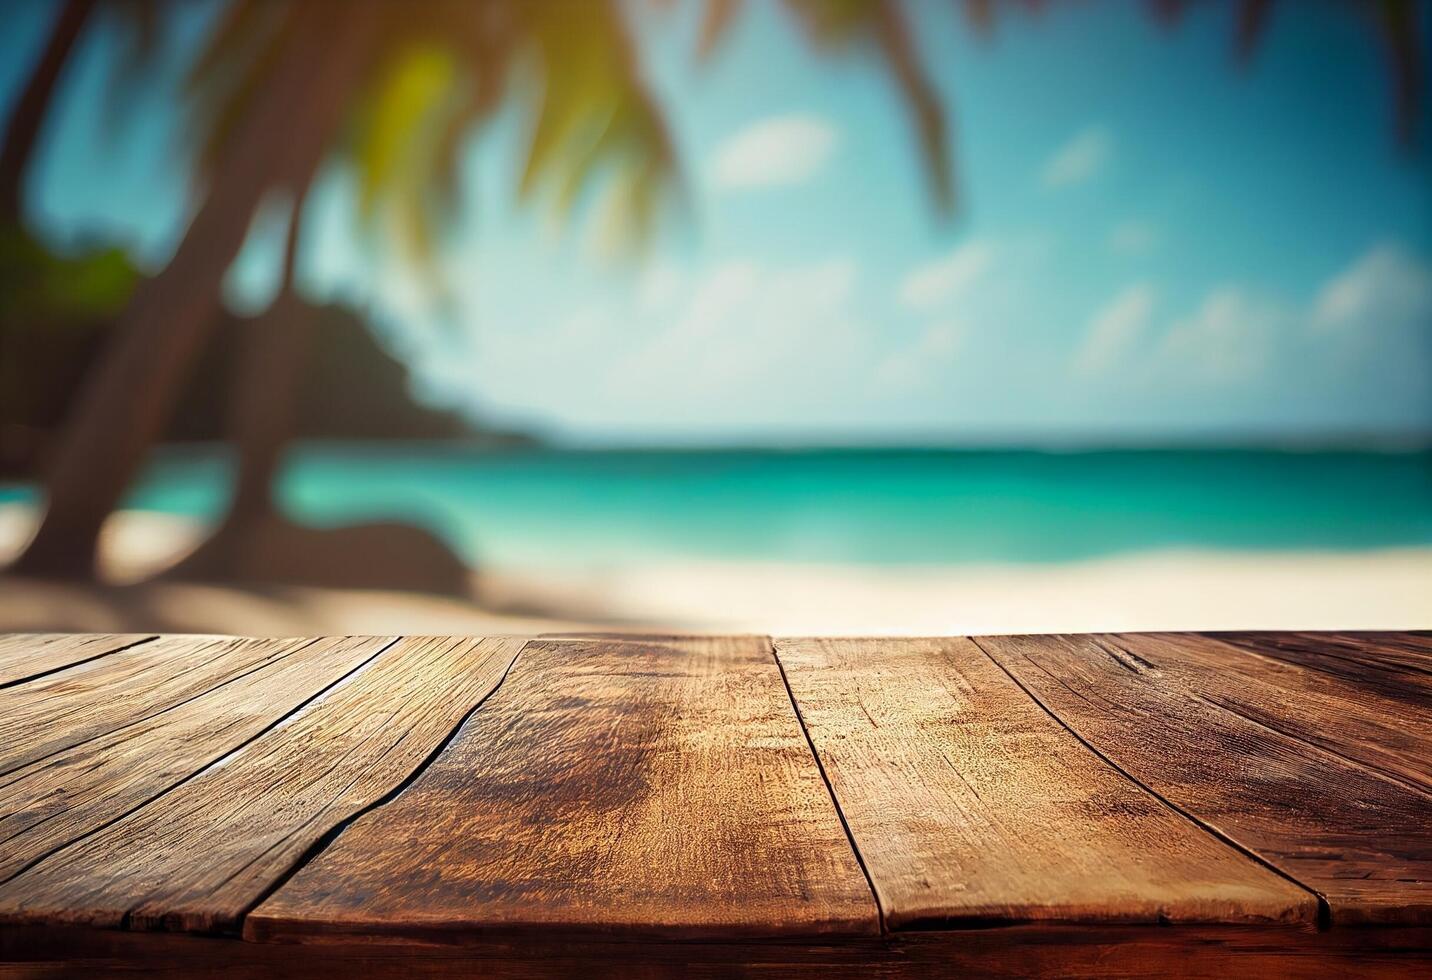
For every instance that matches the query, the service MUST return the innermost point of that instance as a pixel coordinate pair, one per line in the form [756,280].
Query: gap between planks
[327,839]
[829,788]
[208,671]
[1324,920]
[318,846]
[332,834]
[274,852]
[944,855]
[1342,717]
[169,787]
[1357,840]
[106,644]
[647,789]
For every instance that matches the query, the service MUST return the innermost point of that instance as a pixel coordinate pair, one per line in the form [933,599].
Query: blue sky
[1152,243]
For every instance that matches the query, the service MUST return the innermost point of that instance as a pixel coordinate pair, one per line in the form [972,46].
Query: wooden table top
[1151,803]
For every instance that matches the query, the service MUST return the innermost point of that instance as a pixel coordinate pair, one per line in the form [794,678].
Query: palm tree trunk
[124,404]
[22,130]
[263,402]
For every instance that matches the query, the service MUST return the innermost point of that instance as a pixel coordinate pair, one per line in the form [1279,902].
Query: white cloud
[660,286]
[776,151]
[1228,338]
[1115,328]
[1133,237]
[1374,318]
[741,320]
[580,330]
[715,300]
[1386,288]
[1080,159]
[943,279]
[922,361]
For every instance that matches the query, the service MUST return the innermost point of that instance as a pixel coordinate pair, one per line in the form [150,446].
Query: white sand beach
[1208,590]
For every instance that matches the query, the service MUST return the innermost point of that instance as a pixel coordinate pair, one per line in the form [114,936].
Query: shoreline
[1155,590]
[1148,591]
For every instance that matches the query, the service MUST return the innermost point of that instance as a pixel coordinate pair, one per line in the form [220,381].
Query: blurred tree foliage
[393,90]
[39,284]
[51,309]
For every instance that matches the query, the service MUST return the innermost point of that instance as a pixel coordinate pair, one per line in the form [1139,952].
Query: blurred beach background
[811,316]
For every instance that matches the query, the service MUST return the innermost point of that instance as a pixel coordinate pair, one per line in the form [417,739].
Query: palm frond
[1401,32]
[240,54]
[832,25]
[715,25]
[921,100]
[1252,24]
[596,120]
[141,37]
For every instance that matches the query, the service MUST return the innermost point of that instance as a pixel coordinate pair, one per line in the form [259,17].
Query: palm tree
[265,386]
[36,101]
[279,139]
[289,78]
[595,118]
[392,89]
[22,129]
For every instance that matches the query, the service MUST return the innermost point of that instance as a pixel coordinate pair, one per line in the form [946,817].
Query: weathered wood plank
[1413,645]
[656,789]
[62,710]
[1356,721]
[970,805]
[56,800]
[25,655]
[196,857]
[1397,666]
[1359,839]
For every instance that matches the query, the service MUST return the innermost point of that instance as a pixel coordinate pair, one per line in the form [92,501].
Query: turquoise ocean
[875,506]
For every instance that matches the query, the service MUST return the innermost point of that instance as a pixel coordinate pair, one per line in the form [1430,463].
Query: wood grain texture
[56,800]
[24,655]
[970,805]
[198,856]
[1397,666]
[1357,721]
[1359,839]
[61,710]
[624,788]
